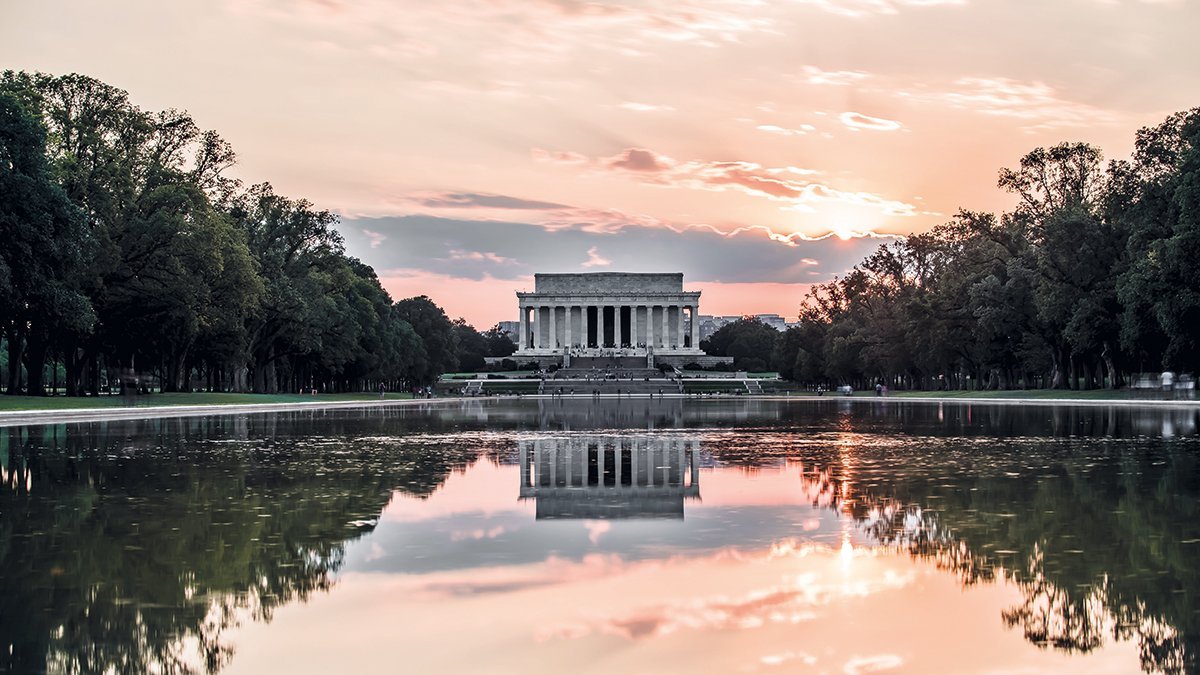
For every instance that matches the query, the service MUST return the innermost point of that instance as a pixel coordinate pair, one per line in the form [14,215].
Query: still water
[818,536]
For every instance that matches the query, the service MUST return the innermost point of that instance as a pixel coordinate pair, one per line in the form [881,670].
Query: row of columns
[631,462]
[657,332]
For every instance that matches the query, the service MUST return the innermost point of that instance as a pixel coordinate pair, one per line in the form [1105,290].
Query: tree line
[1092,278]
[127,249]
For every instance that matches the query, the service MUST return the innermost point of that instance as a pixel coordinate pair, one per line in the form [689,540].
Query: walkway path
[22,417]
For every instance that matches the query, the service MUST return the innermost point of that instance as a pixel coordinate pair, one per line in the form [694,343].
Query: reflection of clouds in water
[596,528]
[794,598]
[376,552]
[478,533]
[552,571]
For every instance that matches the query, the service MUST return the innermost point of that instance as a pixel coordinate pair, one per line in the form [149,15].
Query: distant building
[710,324]
[773,320]
[512,329]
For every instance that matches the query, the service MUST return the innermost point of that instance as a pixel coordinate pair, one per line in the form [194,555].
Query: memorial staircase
[621,379]
[608,362]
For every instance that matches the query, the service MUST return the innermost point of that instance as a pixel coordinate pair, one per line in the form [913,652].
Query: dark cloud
[476,200]
[637,159]
[475,249]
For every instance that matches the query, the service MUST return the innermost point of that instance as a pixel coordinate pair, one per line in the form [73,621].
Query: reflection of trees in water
[134,547]
[1100,539]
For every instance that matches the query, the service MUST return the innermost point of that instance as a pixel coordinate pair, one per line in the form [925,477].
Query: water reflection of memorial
[609,477]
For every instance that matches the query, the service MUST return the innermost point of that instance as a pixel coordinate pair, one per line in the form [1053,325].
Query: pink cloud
[802,130]
[558,157]
[859,665]
[518,31]
[480,256]
[860,121]
[1036,103]
[864,8]
[595,259]
[645,107]
[375,238]
[637,159]
[836,78]
[788,184]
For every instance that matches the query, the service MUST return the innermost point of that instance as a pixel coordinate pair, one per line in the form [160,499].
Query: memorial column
[553,342]
[695,454]
[617,326]
[537,326]
[525,476]
[680,457]
[569,343]
[633,326]
[695,326]
[679,328]
[619,450]
[568,452]
[666,326]
[600,326]
[523,335]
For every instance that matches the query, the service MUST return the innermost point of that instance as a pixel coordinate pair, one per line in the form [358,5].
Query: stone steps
[614,387]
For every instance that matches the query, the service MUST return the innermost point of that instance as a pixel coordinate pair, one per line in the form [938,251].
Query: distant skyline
[756,147]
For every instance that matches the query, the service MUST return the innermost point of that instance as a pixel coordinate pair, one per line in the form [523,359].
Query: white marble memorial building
[609,314]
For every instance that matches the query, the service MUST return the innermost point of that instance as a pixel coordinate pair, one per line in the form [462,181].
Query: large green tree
[44,245]
[437,335]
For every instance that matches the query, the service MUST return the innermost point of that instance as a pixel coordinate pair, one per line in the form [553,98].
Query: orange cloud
[784,184]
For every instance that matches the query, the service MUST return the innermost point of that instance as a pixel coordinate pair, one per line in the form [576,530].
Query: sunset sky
[756,146]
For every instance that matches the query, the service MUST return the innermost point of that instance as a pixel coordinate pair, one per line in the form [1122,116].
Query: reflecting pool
[525,536]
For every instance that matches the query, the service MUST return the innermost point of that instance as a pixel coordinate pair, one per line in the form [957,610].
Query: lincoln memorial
[607,314]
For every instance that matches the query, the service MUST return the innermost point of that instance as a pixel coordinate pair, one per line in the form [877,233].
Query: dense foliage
[1091,278]
[128,253]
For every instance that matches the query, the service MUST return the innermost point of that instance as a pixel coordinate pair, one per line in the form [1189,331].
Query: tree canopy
[129,252]
[1089,279]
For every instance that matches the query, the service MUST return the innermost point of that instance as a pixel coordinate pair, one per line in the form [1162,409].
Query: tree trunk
[91,371]
[241,378]
[35,363]
[1114,375]
[1056,376]
[16,345]
[71,362]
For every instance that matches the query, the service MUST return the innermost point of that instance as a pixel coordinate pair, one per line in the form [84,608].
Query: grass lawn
[516,374]
[1090,395]
[1033,394]
[9,403]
